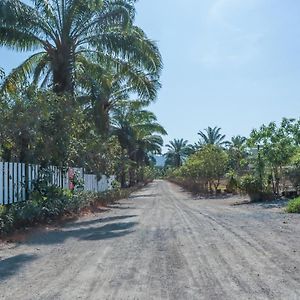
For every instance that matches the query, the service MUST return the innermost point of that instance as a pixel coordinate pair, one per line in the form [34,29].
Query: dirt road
[160,244]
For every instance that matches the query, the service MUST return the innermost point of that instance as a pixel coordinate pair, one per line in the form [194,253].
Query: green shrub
[294,206]
[251,184]
[233,182]
[52,203]
[255,188]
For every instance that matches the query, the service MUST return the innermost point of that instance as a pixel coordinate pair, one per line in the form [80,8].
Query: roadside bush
[233,182]
[294,176]
[294,206]
[255,188]
[57,204]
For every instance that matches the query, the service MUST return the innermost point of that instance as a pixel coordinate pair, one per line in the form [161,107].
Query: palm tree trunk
[63,70]
[132,180]
[101,116]
[123,172]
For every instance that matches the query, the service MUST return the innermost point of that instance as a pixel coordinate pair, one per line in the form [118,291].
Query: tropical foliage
[139,135]
[67,36]
[265,166]
[205,168]
[80,98]
[178,150]
[294,206]
[211,136]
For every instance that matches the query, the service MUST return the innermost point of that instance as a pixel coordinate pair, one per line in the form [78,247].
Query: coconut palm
[211,136]
[178,150]
[65,33]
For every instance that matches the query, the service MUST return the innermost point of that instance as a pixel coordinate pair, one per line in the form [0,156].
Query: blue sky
[228,63]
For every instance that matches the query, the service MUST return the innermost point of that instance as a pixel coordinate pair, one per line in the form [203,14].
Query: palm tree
[139,135]
[103,89]
[211,136]
[237,142]
[66,33]
[178,150]
[237,149]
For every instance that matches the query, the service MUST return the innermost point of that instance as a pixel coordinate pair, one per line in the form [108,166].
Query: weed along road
[160,244]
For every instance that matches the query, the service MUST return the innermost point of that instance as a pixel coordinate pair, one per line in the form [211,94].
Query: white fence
[17,180]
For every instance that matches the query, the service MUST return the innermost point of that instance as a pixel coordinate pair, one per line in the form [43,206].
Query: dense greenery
[68,36]
[205,168]
[294,206]
[80,99]
[265,166]
[178,151]
[53,205]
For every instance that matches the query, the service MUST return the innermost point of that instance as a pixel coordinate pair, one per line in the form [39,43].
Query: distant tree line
[264,165]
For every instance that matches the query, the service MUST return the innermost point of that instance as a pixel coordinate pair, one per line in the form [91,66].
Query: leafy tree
[66,34]
[18,117]
[178,150]
[276,147]
[32,127]
[211,136]
[206,167]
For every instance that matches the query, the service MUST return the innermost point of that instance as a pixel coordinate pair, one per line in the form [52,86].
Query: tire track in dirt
[249,246]
[159,244]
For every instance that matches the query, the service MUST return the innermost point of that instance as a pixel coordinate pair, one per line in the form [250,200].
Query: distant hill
[160,160]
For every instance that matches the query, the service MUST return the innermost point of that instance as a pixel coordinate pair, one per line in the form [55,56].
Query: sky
[234,64]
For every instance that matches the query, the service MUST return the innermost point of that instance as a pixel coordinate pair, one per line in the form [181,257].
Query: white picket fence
[17,179]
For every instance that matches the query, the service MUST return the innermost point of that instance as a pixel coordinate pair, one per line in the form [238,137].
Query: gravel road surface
[162,243]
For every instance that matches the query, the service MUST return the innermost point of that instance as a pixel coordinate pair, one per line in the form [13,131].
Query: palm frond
[22,72]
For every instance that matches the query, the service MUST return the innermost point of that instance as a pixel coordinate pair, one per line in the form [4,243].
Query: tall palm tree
[178,150]
[104,87]
[211,136]
[65,33]
[139,134]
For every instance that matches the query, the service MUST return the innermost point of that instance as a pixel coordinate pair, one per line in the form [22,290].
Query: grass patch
[55,204]
[294,206]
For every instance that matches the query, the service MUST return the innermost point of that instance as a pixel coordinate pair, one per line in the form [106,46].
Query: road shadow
[120,206]
[96,221]
[11,265]
[279,203]
[207,196]
[143,196]
[110,231]
[107,231]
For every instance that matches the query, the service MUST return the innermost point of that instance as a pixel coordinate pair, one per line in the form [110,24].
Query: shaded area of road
[160,244]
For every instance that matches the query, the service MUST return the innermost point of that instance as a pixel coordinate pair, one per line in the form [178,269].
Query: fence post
[26,182]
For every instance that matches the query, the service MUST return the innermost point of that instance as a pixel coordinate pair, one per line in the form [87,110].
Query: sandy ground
[160,244]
